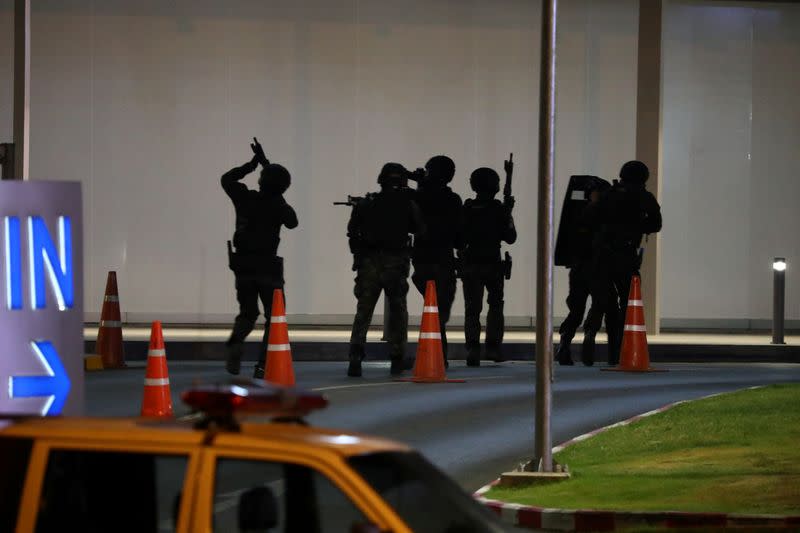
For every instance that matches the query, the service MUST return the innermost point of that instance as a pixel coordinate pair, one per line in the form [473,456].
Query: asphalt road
[473,430]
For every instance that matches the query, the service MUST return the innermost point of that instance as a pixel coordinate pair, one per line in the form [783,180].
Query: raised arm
[231,180]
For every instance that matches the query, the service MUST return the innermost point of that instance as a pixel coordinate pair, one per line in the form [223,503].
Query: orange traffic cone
[634,356]
[279,353]
[429,367]
[157,400]
[109,336]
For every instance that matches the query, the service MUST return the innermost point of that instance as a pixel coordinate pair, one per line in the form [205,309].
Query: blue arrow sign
[55,385]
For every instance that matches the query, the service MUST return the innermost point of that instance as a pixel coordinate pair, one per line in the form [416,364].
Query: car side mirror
[258,510]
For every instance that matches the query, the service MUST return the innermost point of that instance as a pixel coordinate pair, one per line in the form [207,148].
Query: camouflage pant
[474,279]
[580,286]
[388,272]
[249,289]
[609,289]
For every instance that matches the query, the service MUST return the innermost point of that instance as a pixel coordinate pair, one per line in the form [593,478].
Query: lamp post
[778,299]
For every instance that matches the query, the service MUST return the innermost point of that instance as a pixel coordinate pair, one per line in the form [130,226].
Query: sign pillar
[41,302]
[648,144]
[22,87]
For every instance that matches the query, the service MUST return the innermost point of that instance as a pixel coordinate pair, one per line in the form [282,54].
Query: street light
[778,299]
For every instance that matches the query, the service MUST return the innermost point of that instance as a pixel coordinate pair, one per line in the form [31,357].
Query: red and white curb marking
[527,516]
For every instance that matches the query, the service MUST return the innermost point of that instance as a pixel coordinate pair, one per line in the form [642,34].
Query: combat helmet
[634,173]
[392,175]
[441,168]
[274,178]
[484,180]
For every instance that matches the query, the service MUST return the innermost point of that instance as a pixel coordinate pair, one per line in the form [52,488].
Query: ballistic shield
[575,201]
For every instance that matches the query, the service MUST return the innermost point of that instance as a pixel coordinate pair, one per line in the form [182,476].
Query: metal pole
[778,299]
[22,84]
[543,450]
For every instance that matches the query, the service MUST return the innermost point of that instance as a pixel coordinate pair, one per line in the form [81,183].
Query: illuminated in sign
[45,260]
[41,298]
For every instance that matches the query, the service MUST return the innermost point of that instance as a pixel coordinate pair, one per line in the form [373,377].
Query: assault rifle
[352,201]
[508,201]
[508,166]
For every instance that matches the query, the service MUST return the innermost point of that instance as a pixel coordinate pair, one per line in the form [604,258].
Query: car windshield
[426,499]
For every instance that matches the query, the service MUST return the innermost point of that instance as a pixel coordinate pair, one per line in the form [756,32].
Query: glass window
[14,456]
[93,491]
[279,497]
[426,499]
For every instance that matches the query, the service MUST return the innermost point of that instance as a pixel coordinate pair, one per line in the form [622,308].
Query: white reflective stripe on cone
[425,335]
[278,348]
[111,298]
[635,328]
[156,382]
[110,324]
[430,309]
[158,352]
[635,303]
[277,319]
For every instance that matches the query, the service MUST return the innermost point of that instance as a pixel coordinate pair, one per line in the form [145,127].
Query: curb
[527,516]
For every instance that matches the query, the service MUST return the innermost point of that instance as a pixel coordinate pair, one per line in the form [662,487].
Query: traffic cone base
[157,399]
[641,370]
[279,368]
[429,365]
[634,355]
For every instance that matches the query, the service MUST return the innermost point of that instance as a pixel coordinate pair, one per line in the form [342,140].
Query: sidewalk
[330,344]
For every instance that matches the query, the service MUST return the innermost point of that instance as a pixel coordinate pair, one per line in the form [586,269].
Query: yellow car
[216,474]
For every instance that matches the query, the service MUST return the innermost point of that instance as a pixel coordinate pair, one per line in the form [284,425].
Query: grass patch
[735,453]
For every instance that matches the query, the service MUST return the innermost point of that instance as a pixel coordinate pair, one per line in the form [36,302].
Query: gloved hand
[259,152]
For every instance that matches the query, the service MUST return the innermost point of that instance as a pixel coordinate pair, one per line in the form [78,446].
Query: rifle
[508,166]
[508,201]
[352,201]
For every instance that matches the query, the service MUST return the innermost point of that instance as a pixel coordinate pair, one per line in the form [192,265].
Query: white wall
[730,171]
[147,103]
[596,98]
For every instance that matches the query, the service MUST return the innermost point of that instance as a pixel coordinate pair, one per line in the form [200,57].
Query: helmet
[392,175]
[634,172]
[484,180]
[274,178]
[441,168]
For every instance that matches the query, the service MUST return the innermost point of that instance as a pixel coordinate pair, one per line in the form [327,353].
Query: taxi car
[220,473]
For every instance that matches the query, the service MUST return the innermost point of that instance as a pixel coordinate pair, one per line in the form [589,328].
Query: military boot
[587,352]
[613,349]
[563,354]
[494,353]
[233,358]
[397,367]
[356,356]
[474,356]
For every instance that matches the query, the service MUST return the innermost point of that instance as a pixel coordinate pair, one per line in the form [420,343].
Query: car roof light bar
[227,401]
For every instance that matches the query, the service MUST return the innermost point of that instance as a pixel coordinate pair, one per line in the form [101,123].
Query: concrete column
[648,143]
[22,87]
